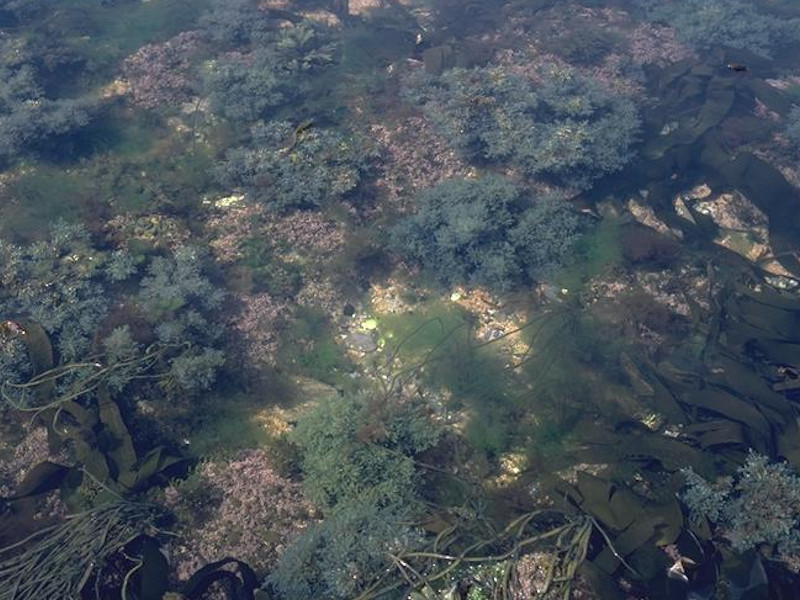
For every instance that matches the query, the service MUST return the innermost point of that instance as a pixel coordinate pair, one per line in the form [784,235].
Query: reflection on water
[425,299]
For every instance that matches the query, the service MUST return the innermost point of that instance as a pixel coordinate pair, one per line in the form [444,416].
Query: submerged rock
[733,211]
[647,216]
[363,342]
[782,282]
[743,227]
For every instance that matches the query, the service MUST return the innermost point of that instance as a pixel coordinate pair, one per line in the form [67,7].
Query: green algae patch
[311,349]
[106,34]
[369,325]
[595,252]
[410,336]
[370,49]
[437,345]
[44,194]
[128,134]
[228,424]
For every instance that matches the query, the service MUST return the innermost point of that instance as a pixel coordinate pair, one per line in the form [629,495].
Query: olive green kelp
[734,382]
[111,548]
[696,100]
[75,403]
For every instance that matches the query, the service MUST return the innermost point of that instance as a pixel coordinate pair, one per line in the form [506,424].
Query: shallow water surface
[402,299]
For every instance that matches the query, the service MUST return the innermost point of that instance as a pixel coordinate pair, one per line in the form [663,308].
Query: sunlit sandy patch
[493,320]
[388,297]
[363,7]
[278,420]
[511,464]
[118,87]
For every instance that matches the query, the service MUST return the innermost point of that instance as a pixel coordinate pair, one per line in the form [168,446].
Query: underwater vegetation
[706,24]
[241,506]
[359,449]
[486,232]
[342,557]
[758,506]
[565,127]
[61,285]
[235,23]
[58,284]
[112,532]
[179,301]
[28,116]
[437,347]
[275,70]
[645,245]
[360,431]
[296,167]
[583,43]
[94,536]
[357,456]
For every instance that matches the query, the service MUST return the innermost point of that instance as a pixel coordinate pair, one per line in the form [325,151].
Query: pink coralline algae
[304,232]
[240,508]
[415,158]
[611,75]
[159,74]
[649,43]
[308,232]
[530,576]
[639,44]
[230,227]
[657,45]
[530,580]
[531,62]
[257,327]
[28,453]
[322,294]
